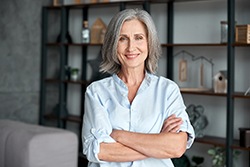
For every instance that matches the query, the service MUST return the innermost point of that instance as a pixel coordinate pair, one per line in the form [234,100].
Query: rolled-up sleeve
[176,106]
[96,126]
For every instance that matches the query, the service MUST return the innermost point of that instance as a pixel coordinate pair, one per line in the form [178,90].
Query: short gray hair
[110,62]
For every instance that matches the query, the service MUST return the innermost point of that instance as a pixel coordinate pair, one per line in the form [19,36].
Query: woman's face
[132,45]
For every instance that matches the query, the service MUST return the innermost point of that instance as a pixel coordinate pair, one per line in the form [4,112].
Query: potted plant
[74,74]
[219,157]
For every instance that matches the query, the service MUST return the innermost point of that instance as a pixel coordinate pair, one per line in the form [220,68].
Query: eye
[139,37]
[122,38]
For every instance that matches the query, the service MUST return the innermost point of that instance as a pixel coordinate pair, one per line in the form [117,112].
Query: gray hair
[110,62]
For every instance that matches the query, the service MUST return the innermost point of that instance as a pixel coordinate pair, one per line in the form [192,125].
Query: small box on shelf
[244,137]
[242,34]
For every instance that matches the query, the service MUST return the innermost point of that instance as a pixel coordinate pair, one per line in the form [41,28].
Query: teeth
[131,56]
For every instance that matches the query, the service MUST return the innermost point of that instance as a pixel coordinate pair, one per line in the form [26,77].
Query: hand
[171,124]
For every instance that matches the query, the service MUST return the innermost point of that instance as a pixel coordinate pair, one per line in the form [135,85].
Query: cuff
[92,144]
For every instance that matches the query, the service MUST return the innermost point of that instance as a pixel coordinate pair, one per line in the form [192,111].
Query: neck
[131,78]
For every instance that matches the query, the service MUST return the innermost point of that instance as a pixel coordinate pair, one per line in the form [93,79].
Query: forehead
[133,25]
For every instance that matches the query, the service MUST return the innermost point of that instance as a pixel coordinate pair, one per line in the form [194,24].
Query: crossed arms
[131,146]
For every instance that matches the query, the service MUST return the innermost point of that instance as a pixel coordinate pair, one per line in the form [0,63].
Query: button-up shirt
[107,107]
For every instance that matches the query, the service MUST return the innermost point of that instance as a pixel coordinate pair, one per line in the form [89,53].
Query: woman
[133,118]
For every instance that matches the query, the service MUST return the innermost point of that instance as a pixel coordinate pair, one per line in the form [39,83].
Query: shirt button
[92,130]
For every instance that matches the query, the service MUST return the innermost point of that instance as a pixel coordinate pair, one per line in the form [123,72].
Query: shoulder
[163,82]
[99,85]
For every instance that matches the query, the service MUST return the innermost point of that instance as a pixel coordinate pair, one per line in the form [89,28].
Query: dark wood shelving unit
[71,118]
[205,93]
[241,45]
[228,142]
[220,142]
[194,44]
[212,93]
[67,81]
[241,95]
[71,44]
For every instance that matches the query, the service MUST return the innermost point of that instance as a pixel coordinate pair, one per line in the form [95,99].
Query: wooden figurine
[220,82]
[98,30]
[183,70]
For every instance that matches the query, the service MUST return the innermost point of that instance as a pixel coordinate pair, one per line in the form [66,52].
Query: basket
[242,34]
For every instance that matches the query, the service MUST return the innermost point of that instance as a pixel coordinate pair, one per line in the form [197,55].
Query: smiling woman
[134,118]
[132,46]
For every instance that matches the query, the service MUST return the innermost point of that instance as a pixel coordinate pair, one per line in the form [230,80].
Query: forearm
[162,145]
[116,152]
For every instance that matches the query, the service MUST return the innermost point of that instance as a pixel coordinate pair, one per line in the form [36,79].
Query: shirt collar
[145,83]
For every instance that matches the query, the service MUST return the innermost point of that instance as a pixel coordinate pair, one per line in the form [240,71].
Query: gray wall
[20,54]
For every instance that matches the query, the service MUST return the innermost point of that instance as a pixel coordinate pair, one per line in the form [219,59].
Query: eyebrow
[134,34]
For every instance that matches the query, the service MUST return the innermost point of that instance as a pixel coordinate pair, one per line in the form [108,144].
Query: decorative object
[242,34]
[104,0]
[183,70]
[98,31]
[244,137]
[57,2]
[197,119]
[72,2]
[74,74]
[90,1]
[248,90]
[220,82]
[85,32]
[219,157]
[224,29]
[188,58]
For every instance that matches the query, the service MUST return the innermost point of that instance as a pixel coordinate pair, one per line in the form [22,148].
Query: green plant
[219,157]
[74,71]
[74,74]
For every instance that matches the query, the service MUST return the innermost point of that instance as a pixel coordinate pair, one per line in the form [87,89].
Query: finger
[167,127]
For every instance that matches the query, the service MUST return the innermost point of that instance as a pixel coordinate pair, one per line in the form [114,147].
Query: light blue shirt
[107,107]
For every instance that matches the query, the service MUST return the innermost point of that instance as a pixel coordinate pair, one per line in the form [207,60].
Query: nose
[131,45]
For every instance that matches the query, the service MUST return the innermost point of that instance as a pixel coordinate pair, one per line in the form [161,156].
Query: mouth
[131,56]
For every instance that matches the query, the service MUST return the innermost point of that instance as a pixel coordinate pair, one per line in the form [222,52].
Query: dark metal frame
[170,65]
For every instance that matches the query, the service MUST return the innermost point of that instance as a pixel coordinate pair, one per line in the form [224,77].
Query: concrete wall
[20,53]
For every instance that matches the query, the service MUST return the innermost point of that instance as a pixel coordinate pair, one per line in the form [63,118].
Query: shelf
[227,47]
[219,141]
[136,2]
[67,81]
[72,44]
[241,95]
[196,91]
[195,44]
[241,45]
[77,82]
[206,93]
[164,45]
[52,80]
[71,118]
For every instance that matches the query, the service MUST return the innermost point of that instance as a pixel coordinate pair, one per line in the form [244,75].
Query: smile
[131,56]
